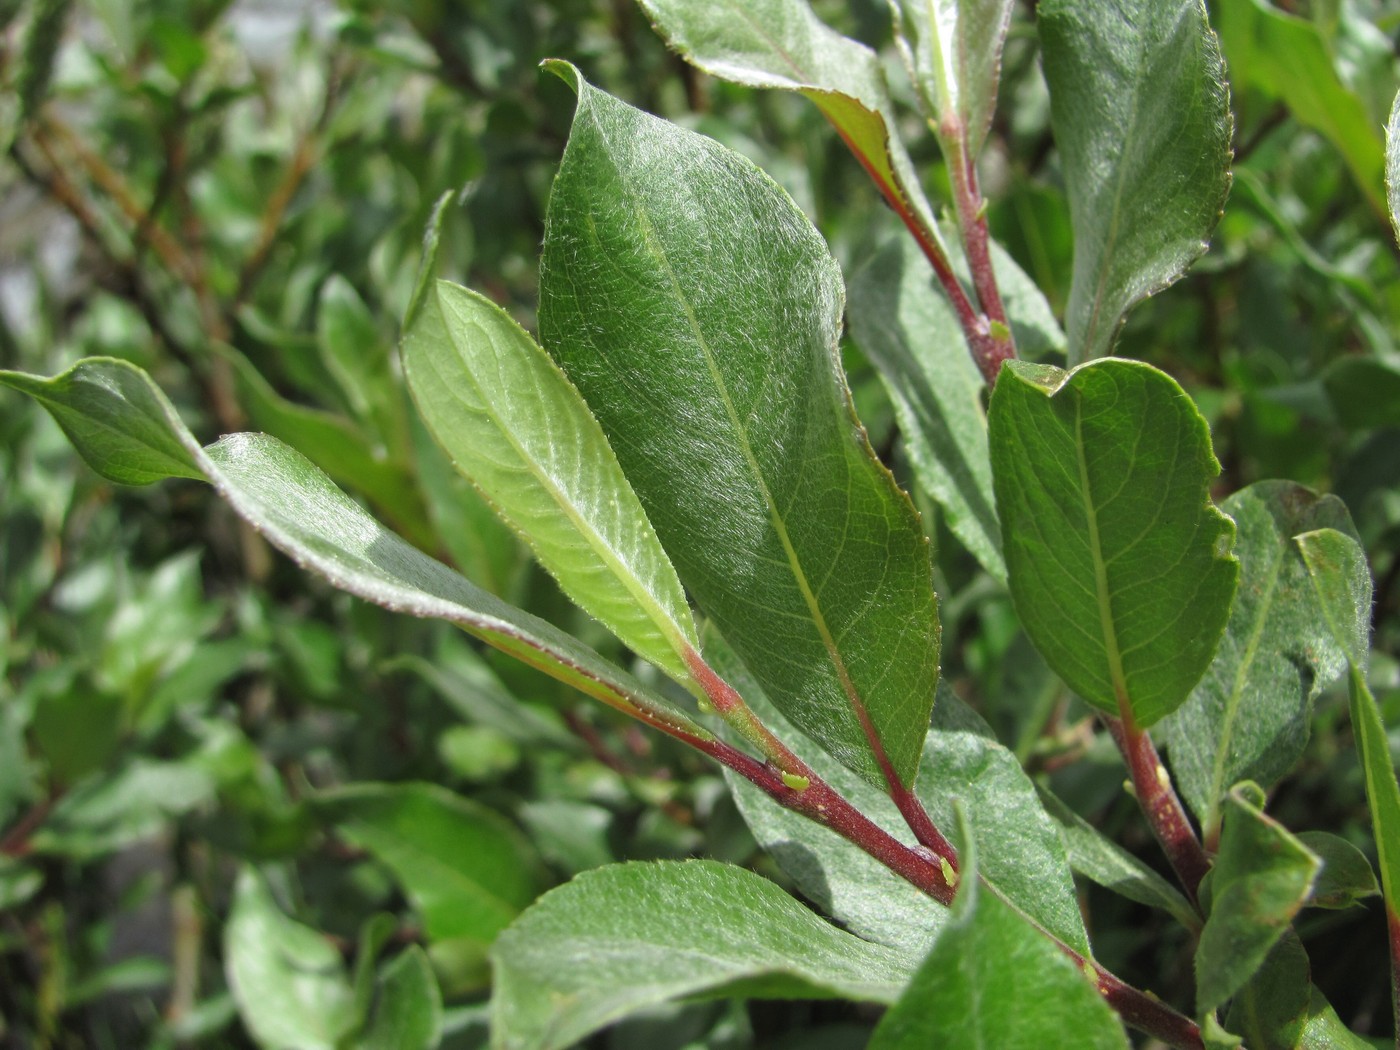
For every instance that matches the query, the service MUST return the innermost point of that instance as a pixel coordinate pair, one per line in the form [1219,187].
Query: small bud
[1000,332]
[950,877]
[795,781]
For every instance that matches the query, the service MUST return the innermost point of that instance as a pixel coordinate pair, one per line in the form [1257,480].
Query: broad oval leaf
[697,310]
[1119,565]
[130,433]
[783,44]
[1141,116]
[619,939]
[953,51]
[513,423]
[1248,718]
[1262,877]
[464,868]
[992,981]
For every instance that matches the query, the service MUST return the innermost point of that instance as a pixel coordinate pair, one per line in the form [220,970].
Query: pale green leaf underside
[128,431]
[783,44]
[991,981]
[1261,878]
[1141,117]
[1248,718]
[1342,579]
[513,423]
[466,870]
[288,980]
[1119,565]
[952,49]
[618,939]
[697,311]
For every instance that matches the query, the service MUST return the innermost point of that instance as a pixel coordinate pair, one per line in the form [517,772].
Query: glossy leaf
[1288,58]
[1119,565]
[1103,861]
[783,44]
[1262,877]
[622,938]
[1248,718]
[953,51]
[993,982]
[130,433]
[466,871]
[1025,857]
[1140,112]
[288,980]
[697,311]
[512,422]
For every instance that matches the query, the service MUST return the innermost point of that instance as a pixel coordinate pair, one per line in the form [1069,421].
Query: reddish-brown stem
[1160,803]
[972,220]
[1393,921]
[987,350]
[1144,1012]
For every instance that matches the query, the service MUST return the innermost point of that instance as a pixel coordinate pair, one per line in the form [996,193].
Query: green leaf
[1141,116]
[123,425]
[1287,58]
[1119,565]
[465,869]
[1270,1010]
[1392,165]
[1364,391]
[288,980]
[1248,718]
[1101,860]
[1343,581]
[629,936]
[1262,877]
[782,44]
[697,310]
[512,422]
[952,49]
[1346,877]
[909,331]
[1323,1029]
[993,982]
[1025,856]
[408,1015]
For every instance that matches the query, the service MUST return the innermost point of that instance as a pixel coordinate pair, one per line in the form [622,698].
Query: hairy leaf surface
[621,938]
[697,311]
[1141,116]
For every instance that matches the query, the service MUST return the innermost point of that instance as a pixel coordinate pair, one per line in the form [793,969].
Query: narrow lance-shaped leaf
[783,44]
[697,310]
[1343,582]
[1140,112]
[129,432]
[1120,566]
[992,981]
[625,937]
[515,425]
[1261,878]
[953,51]
[1248,718]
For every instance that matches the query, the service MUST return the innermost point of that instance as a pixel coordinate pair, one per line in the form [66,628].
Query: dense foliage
[240,807]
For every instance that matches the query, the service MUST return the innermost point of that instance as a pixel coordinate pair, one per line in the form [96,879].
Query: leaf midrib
[741,435]
[672,632]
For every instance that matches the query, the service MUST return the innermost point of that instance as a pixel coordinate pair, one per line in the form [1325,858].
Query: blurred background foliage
[238,808]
